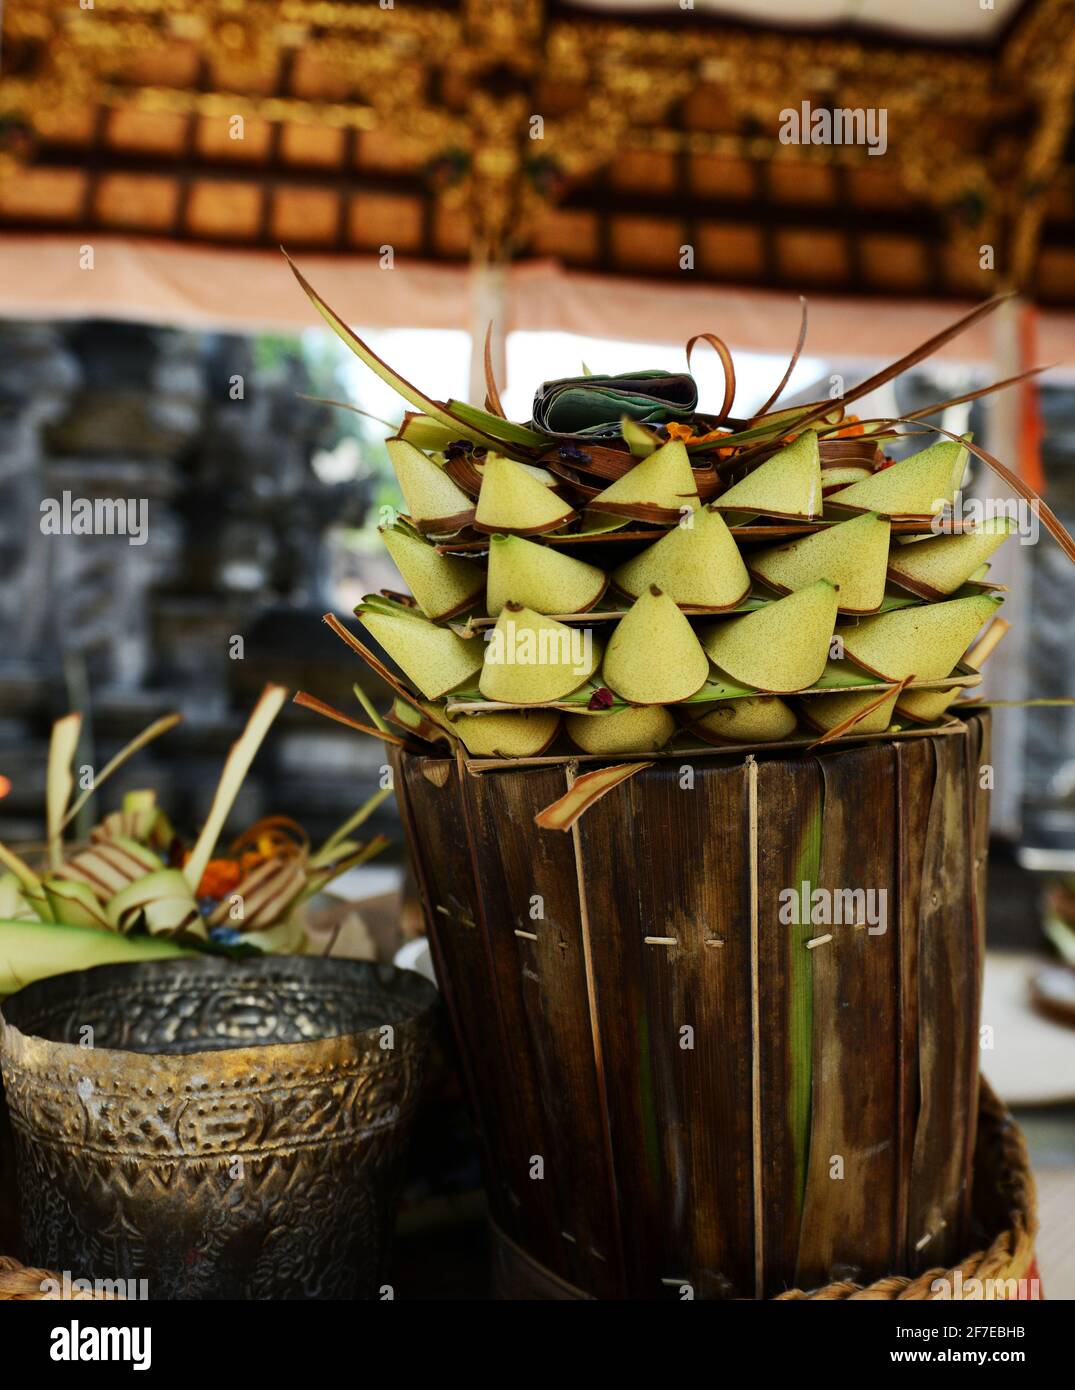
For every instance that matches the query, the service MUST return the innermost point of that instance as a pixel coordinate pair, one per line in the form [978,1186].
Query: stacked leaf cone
[649,583]
[136,892]
[692,629]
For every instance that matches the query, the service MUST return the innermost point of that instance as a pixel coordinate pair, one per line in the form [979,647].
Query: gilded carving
[463,86]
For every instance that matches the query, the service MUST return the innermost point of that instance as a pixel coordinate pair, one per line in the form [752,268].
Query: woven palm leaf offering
[627,575]
[138,891]
[735,658]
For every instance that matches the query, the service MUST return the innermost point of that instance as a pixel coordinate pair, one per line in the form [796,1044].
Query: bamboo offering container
[678,1091]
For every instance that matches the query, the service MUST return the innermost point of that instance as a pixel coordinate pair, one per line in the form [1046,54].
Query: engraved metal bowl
[220,1129]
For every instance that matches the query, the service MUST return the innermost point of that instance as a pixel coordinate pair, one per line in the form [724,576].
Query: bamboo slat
[536,940]
[854,1101]
[790,802]
[947,1020]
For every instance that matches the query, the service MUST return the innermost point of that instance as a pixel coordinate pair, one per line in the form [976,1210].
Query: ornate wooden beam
[512,104]
[1041,55]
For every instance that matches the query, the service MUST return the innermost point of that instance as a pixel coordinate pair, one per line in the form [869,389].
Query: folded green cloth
[591,407]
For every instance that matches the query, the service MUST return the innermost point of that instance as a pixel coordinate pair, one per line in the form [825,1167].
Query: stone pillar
[37,379]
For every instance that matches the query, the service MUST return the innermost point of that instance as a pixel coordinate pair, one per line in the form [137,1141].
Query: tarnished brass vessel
[220,1129]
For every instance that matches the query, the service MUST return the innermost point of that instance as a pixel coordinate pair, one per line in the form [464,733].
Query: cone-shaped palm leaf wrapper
[826,712]
[781,648]
[786,485]
[697,564]
[534,660]
[925,706]
[853,556]
[645,575]
[523,735]
[443,585]
[659,489]
[637,729]
[753,719]
[539,577]
[435,503]
[654,657]
[434,658]
[925,642]
[939,565]
[919,486]
[515,502]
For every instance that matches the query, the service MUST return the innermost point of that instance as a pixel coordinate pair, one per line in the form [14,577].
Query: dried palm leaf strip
[845,726]
[308,701]
[154,730]
[721,349]
[584,793]
[460,468]
[796,354]
[354,409]
[895,369]
[938,406]
[492,395]
[434,409]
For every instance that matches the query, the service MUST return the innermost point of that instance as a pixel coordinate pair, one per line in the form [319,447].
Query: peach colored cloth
[205,286]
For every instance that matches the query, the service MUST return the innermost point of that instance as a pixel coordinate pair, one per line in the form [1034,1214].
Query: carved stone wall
[213,447]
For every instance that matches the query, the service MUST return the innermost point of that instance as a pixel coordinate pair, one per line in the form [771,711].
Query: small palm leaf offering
[627,574]
[138,891]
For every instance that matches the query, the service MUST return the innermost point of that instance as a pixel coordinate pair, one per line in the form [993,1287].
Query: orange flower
[686,435]
[220,878]
[850,428]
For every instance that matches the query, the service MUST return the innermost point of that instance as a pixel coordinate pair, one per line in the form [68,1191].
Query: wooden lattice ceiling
[411,126]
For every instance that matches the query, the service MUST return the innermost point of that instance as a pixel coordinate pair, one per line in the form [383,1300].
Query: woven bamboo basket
[1004,1222]
[672,1085]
